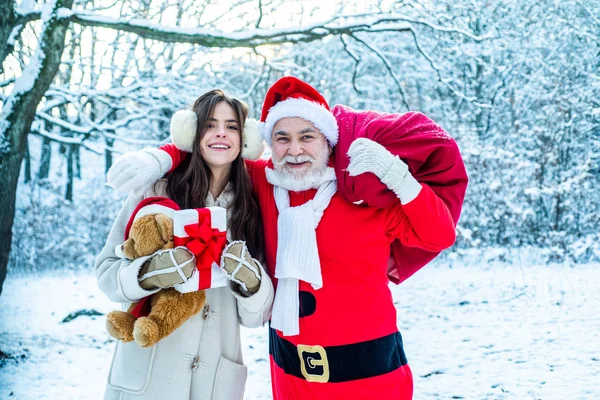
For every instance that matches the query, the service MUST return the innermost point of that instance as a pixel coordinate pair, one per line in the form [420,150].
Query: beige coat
[202,359]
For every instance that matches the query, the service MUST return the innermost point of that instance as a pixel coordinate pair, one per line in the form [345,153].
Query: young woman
[202,359]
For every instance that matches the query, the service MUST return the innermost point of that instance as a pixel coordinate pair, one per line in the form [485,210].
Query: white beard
[312,181]
[297,181]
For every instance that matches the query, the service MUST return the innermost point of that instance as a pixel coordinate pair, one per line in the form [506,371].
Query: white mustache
[295,160]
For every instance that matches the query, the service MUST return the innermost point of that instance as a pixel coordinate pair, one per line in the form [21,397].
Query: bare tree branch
[356,64]
[444,81]
[260,14]
[388,66]
[257,37]
[24,17]
[7,23]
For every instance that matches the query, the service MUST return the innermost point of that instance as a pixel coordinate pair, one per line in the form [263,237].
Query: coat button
[308,303]
[195,363]
[206,311]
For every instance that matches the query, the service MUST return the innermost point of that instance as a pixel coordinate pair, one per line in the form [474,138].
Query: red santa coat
[348,334]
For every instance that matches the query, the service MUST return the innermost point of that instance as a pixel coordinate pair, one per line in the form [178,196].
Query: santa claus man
[333,332]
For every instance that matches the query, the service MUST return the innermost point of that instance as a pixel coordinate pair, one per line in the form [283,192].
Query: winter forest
[516,83]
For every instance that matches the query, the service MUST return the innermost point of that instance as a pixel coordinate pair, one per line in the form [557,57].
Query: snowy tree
[516,84]
[19,109]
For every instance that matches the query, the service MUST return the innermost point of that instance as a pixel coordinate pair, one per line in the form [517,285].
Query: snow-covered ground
[490,332]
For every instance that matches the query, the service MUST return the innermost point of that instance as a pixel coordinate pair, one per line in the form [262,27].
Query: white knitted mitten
[167,268]
[240,267]
[369,156]
[134,172]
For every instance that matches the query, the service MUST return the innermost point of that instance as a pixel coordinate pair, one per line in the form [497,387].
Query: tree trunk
[77,160]
[17,116]
[27,172]
[7,20]
[45,157]
[108,157]
[69,185]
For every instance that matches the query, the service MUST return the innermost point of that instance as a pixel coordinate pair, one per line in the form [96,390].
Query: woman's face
[220,144]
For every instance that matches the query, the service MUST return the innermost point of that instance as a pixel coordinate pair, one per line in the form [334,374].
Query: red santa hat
[151,205]
[183,132]
[291,97]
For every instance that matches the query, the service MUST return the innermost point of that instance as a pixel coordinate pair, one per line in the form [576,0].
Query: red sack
[432,157]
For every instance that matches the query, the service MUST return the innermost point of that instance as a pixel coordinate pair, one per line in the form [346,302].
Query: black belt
[338,363]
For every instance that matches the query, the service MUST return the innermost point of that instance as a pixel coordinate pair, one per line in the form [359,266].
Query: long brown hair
[189,183]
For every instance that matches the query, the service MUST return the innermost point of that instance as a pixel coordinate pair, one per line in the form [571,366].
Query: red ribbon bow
[206,243]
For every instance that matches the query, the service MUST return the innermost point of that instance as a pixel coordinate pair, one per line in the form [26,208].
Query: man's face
[299,149]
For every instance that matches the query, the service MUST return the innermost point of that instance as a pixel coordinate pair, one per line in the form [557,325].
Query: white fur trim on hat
[183,129]
[311,111]
[183,132]
[154,209]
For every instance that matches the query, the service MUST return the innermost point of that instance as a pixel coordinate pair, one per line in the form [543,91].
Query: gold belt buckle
[313,362]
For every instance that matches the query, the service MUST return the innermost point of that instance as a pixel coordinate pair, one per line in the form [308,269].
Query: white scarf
[297,252]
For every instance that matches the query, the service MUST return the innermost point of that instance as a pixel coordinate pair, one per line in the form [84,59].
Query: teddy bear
[169,308]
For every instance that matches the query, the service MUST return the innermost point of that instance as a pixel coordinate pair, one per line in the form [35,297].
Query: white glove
[136,171]
[369,156]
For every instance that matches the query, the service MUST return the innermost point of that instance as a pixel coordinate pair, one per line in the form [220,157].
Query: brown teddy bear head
[148,234]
